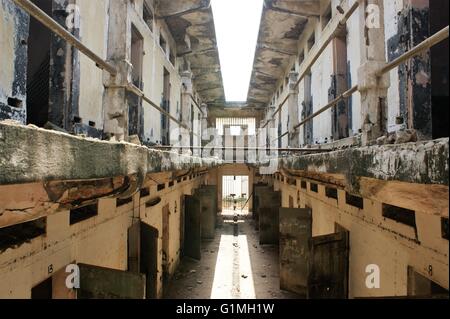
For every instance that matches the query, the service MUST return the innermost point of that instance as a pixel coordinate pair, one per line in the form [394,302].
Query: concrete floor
[233,266]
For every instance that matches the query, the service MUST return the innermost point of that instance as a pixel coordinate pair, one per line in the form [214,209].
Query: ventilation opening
[38,68]
[314,187]
[161,187]
[144,192]
[92,124]
[123,201]
[171,183]
[444,227]
[80,214]
[15,102]
[399,214]
[303,185]
[153,202]
[331,192]
[179,180]
[16,235]
[354,201]
[292,181]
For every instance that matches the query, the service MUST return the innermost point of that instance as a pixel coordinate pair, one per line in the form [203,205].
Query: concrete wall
[93,34]
[376,240]
[13,31]
[85,80]
[391,18]
[153,216]
[100,240]
[323,69]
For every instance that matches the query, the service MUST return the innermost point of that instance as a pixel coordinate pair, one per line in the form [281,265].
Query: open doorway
[165,136]
[439,69]
[38,70]
[135,112]
[422,287]
[235,194]
[149,258]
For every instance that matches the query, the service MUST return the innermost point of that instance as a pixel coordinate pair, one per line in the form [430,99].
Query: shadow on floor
[233,266]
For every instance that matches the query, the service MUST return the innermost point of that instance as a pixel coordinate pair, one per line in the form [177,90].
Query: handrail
[34,11]
[212,148]
[418,49]
[424,45]
[321,110]
[316,56]
[325,44]
[135,90]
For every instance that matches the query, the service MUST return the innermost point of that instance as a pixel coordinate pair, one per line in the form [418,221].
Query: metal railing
[34,11]
[313,59]
[231,148]
[420,48]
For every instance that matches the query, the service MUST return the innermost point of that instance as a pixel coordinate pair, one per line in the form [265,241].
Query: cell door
[165,241]
[208,198]
[328,275]
[268,212]
[105,283]
[149,258]
[295,233]
[192,227]
[259,191]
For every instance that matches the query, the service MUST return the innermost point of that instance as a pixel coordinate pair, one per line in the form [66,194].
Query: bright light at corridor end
[237,25]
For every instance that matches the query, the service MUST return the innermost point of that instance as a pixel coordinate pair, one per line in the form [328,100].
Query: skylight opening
[237,26]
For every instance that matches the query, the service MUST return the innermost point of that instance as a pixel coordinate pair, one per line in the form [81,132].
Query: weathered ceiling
[191,23]
[282,23]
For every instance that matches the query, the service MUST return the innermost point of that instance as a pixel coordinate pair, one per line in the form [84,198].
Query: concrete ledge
[30,154]
[421,162]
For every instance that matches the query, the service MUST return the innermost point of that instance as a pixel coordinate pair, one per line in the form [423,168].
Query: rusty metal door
[192,227]
[165,242]
[268,212]
[105,283]
[295,233]
[259,200]
[134,242]
[328,275]
[208,200]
